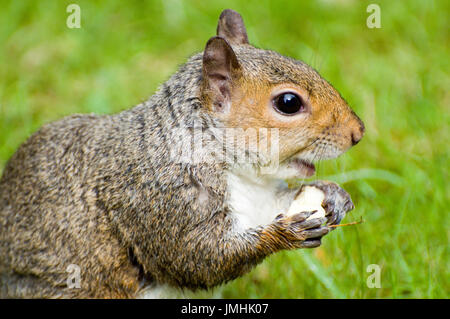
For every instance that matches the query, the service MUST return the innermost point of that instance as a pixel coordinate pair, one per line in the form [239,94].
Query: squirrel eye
[288,103]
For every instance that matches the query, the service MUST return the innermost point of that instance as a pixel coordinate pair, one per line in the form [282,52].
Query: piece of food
[309,200]
[348,224]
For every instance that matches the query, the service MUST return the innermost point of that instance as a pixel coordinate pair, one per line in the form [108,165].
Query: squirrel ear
[220,68]
[231,27]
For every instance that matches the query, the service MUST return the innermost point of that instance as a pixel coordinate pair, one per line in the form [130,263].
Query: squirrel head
[250,88]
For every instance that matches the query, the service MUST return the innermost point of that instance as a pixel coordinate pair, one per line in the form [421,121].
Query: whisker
[320,153]
[312,143]
[317,154]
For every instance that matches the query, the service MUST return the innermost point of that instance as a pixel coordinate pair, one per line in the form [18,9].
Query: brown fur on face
[326,129]
[240,84]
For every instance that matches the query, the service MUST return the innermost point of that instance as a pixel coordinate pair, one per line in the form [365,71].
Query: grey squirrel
[107,193]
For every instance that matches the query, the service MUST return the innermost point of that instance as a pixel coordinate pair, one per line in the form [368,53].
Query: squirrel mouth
[305,168]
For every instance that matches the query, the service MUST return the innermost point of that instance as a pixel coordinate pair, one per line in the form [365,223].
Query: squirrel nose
[357,133]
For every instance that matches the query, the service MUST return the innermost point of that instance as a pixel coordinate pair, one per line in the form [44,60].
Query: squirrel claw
[337,201]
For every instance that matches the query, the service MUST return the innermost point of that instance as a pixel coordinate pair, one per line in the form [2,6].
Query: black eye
[288,103]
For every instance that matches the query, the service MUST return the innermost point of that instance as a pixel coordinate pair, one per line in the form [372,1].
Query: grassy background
[396,78]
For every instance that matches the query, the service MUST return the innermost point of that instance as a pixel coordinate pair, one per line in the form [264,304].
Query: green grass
[396,78]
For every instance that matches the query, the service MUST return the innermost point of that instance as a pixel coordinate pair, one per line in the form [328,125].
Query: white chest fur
[157,291]
[254,201]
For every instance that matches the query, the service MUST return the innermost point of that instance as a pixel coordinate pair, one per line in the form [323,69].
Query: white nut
[309,200]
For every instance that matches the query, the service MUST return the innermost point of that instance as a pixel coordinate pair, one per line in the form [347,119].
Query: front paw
[337,201]
[300,232]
